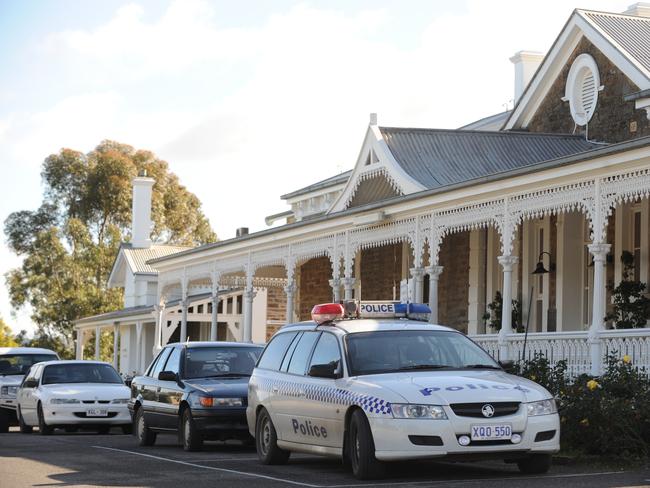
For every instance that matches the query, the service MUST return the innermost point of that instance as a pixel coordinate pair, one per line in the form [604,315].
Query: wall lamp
[540,269]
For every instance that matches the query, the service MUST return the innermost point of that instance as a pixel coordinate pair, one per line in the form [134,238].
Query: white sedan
[72,395]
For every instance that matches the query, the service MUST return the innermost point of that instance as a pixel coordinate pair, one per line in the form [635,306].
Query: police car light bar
[326,312]
[392,309]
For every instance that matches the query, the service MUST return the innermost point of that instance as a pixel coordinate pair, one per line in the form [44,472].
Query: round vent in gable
[582,87]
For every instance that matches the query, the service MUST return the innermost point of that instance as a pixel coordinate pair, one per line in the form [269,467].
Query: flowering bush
[607,415]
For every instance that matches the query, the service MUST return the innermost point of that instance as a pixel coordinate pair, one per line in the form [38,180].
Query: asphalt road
[113,460]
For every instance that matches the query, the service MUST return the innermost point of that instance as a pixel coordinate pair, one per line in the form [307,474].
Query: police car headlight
[413,411]
[9,391]
[543,407]
[63,401]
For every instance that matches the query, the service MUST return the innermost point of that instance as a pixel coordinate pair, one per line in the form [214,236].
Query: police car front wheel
[361,449]
[266,441]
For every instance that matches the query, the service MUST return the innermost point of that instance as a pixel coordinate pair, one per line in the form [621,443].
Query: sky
[247,100]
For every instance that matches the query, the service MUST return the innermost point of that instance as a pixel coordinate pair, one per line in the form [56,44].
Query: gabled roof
[624,39]
[332,181]
[136,259]
[491,122]
[440,157]
[629,33]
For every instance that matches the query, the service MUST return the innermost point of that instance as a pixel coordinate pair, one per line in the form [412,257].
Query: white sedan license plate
[96,412]
[491,432]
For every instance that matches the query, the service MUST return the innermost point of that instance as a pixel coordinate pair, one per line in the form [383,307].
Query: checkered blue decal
[324,394]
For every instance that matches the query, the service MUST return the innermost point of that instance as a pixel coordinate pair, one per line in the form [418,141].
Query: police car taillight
[326,312]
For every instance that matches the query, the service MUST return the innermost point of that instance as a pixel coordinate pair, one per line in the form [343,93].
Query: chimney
[526,63]
[639,9]
[241,232]
[141,211]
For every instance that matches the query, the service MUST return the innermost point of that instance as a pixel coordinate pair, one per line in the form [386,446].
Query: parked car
[388,388]
[196,390]
[73,395]
[14,363]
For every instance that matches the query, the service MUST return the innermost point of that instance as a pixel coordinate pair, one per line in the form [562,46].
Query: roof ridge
[485,132]
[613,14]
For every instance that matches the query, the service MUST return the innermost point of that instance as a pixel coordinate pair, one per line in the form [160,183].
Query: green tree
[70,242]
[7,338]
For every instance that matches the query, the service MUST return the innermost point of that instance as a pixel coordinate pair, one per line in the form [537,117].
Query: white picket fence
[573,347]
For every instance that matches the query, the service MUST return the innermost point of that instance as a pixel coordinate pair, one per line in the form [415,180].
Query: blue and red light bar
[327,312]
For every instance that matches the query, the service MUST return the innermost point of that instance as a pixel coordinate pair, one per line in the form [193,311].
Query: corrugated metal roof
[439,157]
[629,32]
[138,258]
[331,181]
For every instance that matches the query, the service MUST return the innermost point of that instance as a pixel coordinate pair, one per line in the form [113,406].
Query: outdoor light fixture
[540,269]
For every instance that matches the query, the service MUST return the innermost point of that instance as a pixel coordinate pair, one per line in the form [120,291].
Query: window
[160,362]
[300,356]
[327,351]
[220,307]
[275,350]
[174,361]
[229,306]
[582,87]
[80,373]
[206,362]
[287,356]
[33,373]
[240,304]
[19,364]
[199,309]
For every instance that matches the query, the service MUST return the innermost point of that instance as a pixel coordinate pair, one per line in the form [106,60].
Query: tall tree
[69,243]
[7,338]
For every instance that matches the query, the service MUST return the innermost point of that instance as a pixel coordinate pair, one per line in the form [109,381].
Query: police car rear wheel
[361,450]
[266,441]
[535,464]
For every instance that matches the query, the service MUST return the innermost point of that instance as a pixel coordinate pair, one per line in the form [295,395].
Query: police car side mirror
[324,371]
[509,366]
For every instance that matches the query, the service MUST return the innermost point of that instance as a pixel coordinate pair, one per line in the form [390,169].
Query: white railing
[573,347]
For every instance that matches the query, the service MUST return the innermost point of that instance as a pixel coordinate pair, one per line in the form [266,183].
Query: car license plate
[491,432]
[96,412]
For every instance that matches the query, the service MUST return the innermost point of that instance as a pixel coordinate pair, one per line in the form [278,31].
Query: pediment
[376,176]
[584,28]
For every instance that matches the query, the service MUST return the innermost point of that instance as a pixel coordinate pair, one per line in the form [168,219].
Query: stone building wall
[381,271]
[314,285]
[614,119]
[276,310]
[453,288]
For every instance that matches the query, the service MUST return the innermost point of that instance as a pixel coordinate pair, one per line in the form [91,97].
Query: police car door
[325,399]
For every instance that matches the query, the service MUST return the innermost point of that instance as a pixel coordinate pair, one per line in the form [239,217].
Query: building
[451,217]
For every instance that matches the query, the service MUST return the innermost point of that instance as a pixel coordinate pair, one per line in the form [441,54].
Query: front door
[151,388]
[170,393]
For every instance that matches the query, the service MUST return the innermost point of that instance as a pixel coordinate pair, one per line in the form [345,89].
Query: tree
[631,306]
[70,242]
[495,312]
[7,338]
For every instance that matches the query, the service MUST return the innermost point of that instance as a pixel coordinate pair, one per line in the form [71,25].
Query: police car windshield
[413,350]
[19,364]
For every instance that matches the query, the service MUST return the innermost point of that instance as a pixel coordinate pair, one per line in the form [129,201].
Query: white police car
[385,389]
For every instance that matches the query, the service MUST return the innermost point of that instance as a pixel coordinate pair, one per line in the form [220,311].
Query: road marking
[477,480]
[194,465]
[216,460]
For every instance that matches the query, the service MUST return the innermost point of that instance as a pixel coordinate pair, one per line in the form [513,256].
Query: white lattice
[634,343]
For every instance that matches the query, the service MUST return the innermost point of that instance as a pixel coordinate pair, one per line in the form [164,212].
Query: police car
[369,383]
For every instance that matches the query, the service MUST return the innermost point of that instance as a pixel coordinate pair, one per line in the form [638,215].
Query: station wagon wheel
[24,428]
[43,428]
[266,441]
[361,449]
[190,435]
[144,435]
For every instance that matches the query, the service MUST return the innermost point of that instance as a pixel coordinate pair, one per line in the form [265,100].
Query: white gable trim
[576,28]
[385,164]
[118,266]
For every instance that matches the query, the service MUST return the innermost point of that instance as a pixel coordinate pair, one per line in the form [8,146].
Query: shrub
[608,415]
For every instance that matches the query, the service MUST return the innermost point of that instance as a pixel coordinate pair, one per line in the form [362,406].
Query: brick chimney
[141,211]
[526,63]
